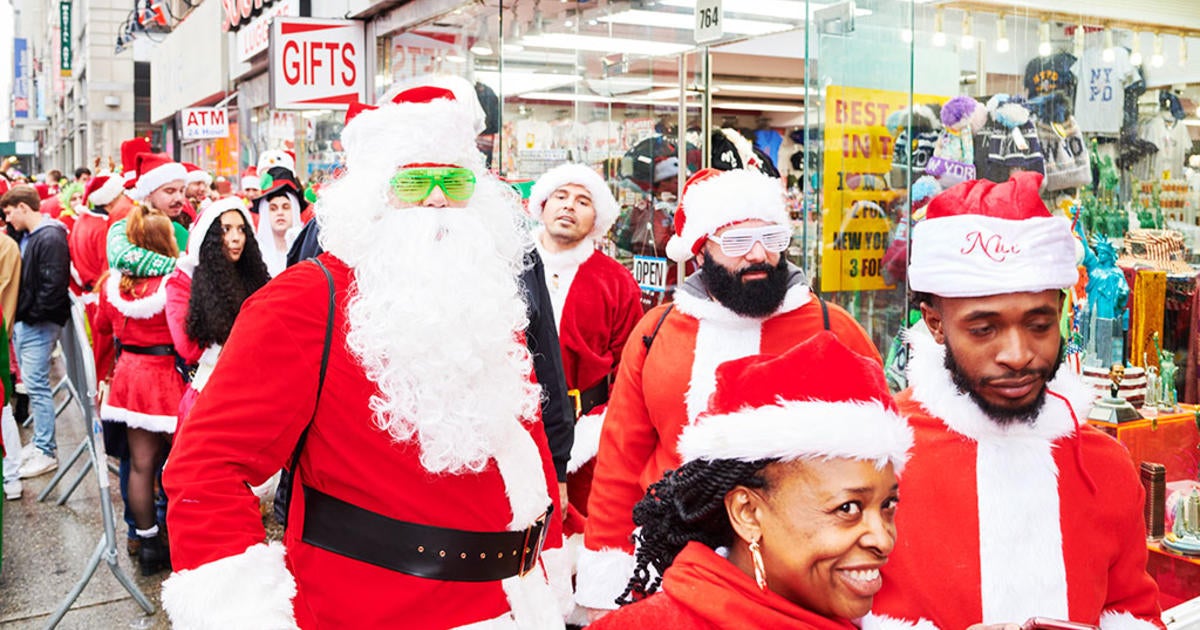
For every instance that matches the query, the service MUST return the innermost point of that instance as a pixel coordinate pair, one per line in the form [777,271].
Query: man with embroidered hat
[1041,515]
[423,489]
[746,299]
[596,301]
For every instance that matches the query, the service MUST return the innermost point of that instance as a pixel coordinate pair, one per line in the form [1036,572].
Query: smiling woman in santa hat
[783,511]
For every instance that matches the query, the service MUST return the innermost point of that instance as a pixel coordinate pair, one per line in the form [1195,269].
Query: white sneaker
[13,489]
[37,464]
[28,450]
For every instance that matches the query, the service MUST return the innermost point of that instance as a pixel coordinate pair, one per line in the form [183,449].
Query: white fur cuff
[252,590]
[883,622]
[601,577]
[587,440]
[1113,620]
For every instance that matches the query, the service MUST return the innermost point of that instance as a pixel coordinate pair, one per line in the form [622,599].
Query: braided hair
[687,504]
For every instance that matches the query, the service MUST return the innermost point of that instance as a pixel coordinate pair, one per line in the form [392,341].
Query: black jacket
[45,274]
[558,415]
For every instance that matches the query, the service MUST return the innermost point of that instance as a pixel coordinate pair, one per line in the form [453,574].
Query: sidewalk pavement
[47,547]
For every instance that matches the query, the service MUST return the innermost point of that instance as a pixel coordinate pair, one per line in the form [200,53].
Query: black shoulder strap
[324,364]
[648,340]
[824,311]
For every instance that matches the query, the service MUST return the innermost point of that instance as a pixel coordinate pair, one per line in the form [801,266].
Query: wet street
[47,547]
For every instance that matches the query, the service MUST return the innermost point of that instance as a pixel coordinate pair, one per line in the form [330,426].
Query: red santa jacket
[703,591]
[657,394]
[997,523]
[245,426]
[87,242]
[602,305]
[136,319]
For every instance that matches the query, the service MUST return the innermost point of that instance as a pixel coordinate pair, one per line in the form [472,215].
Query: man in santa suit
[159,183]
[596,301]
[195,191]
[424,488]
[1012,506]
[746,299]
[87,239]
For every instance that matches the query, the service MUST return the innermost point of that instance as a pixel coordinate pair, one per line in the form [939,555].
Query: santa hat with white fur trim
[563,174]
[819,400]
[212,212]
[713,199]
[197,174]
[981,238]
[103,189]
[433,120]
[155,170]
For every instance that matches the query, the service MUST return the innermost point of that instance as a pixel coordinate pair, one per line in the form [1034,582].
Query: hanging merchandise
[916,133]
[953,160]
[1067,162]
[895,259]
[1010,141]
[1047,75]
[1167,132]
[1100,97]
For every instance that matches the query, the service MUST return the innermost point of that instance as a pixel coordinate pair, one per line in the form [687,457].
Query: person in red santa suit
[424,488]
[783,510]
[1042,514]
[144,386]
[87,240]
[596,301]
[746,299]
[195,191]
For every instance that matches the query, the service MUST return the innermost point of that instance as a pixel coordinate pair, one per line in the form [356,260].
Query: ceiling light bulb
[939,35]
[1002,43]
[1044,47]
[1110,54]
[1156,60]
[1135,55]
[968,39]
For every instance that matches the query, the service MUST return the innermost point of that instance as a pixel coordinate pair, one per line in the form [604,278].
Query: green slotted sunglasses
[413,185]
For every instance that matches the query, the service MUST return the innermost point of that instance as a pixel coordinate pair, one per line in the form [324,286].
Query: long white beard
[435,314]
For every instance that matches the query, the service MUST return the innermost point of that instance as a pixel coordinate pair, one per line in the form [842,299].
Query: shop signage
[20,79]
[316,64]
[415,55]
[650,273]
[64,38]
[238,13]
[282,128]
[203,123]
[857,227]
[709,21]
[253,37]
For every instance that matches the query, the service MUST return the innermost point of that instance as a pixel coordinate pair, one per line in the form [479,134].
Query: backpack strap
[824,311]
[648,340]
[324,364]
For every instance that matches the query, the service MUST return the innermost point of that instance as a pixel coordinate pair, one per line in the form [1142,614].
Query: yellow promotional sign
[856,226]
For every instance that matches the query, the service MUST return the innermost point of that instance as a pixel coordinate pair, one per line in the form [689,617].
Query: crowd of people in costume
[479,427]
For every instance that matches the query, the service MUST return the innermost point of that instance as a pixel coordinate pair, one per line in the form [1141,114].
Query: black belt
[163,350]
[589,398]
[426,551]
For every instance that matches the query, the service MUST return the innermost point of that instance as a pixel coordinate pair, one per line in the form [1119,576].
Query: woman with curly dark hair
[782,512]
[221,268]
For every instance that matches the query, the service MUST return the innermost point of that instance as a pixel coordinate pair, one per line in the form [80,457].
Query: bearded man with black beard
[423,491]
[1012,506]
[746,299]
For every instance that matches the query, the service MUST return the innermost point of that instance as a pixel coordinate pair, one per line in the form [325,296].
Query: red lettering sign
[992,246]
[238,12]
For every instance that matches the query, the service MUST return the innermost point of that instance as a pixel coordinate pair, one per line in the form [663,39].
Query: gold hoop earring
[760,575]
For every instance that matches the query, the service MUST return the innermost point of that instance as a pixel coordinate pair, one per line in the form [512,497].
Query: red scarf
[710,587]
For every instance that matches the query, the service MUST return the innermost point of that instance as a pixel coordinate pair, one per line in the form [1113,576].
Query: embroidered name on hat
[992,246]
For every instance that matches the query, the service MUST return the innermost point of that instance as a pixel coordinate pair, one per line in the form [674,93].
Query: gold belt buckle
[536,549]
[577,397]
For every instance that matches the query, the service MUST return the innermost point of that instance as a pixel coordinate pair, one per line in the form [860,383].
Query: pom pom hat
[103,189]
[435,122]
[713,199]
[819,400]
[981,238]
[155,170]
[559,176]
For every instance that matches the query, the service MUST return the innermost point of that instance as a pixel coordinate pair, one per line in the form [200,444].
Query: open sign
[650,273]
[316,64]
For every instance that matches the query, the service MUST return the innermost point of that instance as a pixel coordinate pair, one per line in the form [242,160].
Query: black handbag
[283,492]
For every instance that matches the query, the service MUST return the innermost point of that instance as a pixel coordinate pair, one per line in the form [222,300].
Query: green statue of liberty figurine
[1107,293]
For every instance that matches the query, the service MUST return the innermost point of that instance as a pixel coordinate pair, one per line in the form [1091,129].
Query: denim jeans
[34,343]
